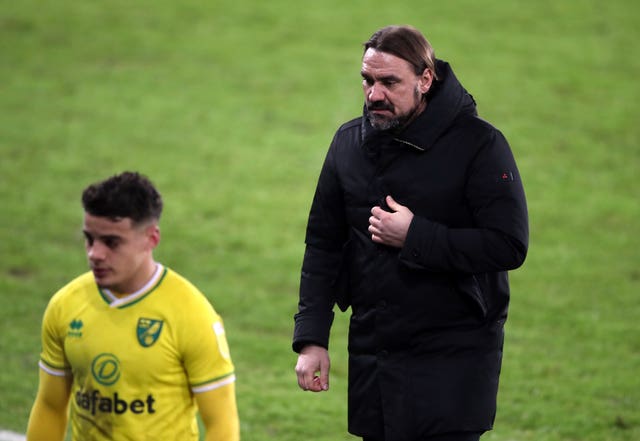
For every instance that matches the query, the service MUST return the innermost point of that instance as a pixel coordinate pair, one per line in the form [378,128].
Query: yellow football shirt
[136,361]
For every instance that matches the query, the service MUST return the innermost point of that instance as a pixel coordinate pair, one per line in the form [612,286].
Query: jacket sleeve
[325,238]
[497,239]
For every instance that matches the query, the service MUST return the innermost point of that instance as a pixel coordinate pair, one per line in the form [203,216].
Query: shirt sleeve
[205,350]
[219,413]
[52,358]
[48,418]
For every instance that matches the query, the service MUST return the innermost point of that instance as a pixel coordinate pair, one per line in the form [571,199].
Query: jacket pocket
[341,286]
[469,287]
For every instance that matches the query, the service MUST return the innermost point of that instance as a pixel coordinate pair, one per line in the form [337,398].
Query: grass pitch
[229,108]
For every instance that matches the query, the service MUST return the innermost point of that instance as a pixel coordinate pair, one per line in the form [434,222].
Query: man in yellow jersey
[131,350]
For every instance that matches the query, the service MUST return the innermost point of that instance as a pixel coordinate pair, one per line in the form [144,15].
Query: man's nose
[96,251]
[375,93]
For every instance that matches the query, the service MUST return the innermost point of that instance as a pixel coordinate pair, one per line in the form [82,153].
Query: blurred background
[230,106]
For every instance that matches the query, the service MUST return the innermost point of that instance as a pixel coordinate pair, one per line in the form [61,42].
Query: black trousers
[452,436]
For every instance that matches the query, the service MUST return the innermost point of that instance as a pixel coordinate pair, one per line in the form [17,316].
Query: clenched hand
[390,228]
[313,360]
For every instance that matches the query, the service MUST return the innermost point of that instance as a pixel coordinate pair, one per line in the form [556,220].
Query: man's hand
[313,360]
[390,228]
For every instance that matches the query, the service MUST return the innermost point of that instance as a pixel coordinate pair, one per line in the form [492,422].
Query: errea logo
[75,328]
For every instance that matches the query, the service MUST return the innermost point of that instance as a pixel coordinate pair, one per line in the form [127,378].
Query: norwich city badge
[148,331]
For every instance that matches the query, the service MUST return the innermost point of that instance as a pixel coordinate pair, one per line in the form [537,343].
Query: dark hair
[128,194]
[405,42]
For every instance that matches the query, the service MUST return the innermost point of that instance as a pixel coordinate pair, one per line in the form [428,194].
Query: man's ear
[153,235]
[425,81]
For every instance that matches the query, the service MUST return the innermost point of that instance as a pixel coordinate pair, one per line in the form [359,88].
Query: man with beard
[419,212]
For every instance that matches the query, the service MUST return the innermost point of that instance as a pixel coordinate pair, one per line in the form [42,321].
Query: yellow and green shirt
[136,361]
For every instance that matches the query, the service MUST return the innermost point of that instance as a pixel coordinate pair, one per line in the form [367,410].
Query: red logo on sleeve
[506,176]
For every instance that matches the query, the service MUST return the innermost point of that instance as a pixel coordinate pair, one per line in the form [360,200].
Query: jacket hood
[446,100]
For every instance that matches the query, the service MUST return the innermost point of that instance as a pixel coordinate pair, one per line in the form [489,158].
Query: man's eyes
[387,82]
[111,242]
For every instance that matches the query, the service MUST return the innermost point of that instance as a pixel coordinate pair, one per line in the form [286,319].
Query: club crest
[148,331]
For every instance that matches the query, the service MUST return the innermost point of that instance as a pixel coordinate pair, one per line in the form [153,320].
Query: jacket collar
[446,100]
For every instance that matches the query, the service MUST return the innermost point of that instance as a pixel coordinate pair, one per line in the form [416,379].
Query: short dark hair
[128,194]
[405,42]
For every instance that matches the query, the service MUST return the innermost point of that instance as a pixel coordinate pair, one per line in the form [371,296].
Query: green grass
[230,108]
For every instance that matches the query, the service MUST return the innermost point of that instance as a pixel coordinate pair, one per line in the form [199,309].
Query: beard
[381,122]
